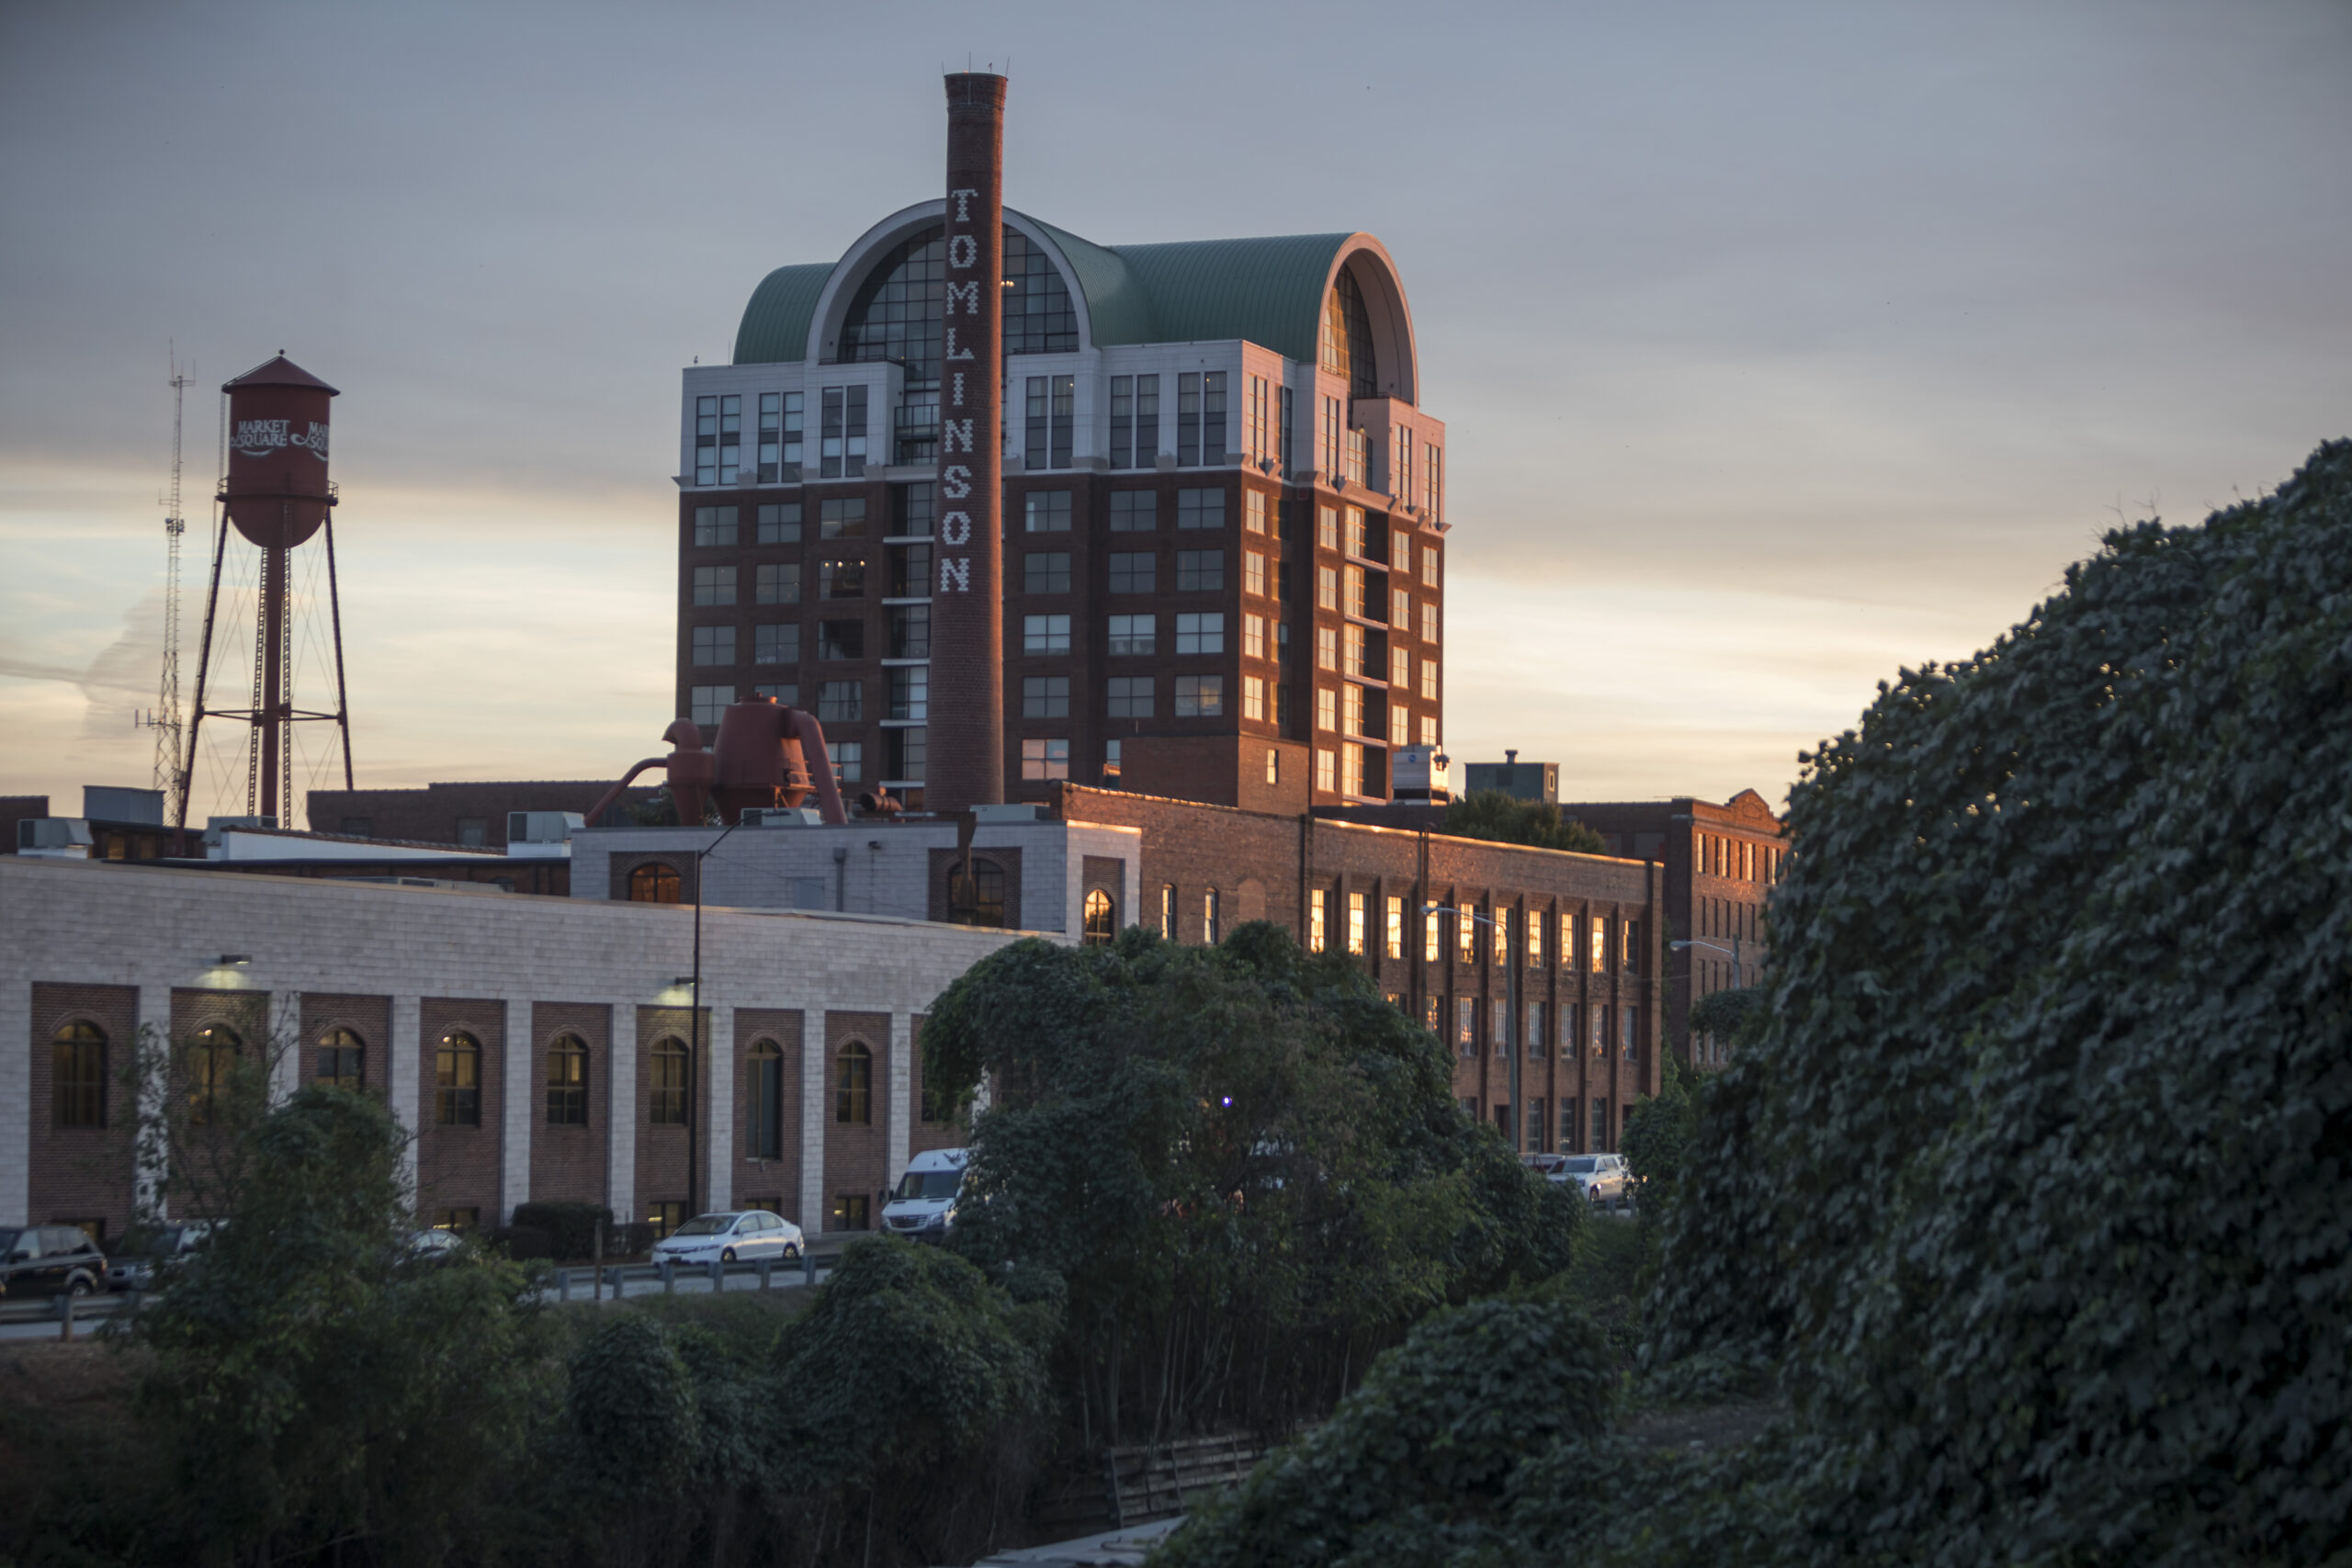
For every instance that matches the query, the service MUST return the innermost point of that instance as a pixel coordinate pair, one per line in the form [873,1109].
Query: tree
[1245,1168]
[1506,819]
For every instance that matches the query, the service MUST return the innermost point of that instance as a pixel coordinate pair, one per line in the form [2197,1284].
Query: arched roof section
[774,329]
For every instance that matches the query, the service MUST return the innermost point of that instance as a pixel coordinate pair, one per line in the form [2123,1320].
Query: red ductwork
[767,755]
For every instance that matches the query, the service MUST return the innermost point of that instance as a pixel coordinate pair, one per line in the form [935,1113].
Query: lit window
[1499,1026]
[1466,1025]
[567,1084]
[1466,934]
[1044,759]
[653,883]
[78,1076]
[458,1080]
[1253,510]
[1352,652]
[1132,635]
[1351,769]
[854,1085]
[1401,609]
[1327,527]
[708,703]
[1253,697]
[1130,696]
[714,525]
[1200,572]
[840,580]
[1326,711]
[1047,511]
[1428,936]
[1428,729]
[1274,766]
[1428,680]
[1428,566]
[713,645]
[1351,710]
[780,523]
[1597,950]
[1101,918]
[776,643]
[1200,508]
[1200,697]
[1327,769]
[714,585]
[1400,723]
[1566,954]
[1253,573]
[1212,924]
[1392,927]
[1429,623]
[1045,696]
[1400,669]
[1534,937]
[1168,911]
[1045,633]
[1326,587]
[1133,571]
[1134,511]
[1253,637]
[1200,633]
[1327,647]
[1315,936]
[1355,923]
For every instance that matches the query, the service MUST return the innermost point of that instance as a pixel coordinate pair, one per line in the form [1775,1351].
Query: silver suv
[1602,1177]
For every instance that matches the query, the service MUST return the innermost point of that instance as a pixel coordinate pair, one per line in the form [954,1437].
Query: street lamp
[1510,971]
[693,1034]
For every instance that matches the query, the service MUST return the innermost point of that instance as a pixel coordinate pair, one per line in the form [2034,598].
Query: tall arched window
[1101,918]
[669,1105]
[343,1062]
[1346,347]
[854,1085]
[212,1054]
[764,1128]
[568,1082]
[976,900]
[458,1080]
[78,1076]
[654,883]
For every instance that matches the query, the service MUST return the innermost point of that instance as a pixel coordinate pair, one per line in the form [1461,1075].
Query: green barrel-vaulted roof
[1267,290]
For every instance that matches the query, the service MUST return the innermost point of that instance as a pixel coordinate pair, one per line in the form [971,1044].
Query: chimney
[967,762]
[1511,758]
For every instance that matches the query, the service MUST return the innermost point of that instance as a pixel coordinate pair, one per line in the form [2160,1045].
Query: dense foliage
[1506,819]
[1242,1169]
[2041,1160]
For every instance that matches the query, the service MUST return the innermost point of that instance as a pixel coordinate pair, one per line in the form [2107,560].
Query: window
[913,510]
[1327,527]
[1400,723]
[1052,399]
[719,439]
[653,883]
[1200,572]
[977,898]
[714,585]
[1400,553]
[776,643]
[764,1128]
[713,645]
[776,583]
[842,517]
[1567,1125]
[212,1054]
[1101,918]
[1253,636]
[1629,1033]
[1597,950]
[1315,936]
[1253,574]
[840,702]
[841,639]
[1428,936]
[1045,571]
[1200,633]
[1212,925]
[1168,911]
[1327,649]
[1428,566]
[342,1060]
[1538,1124]
[1327,588]
[909,691]
[1352,652]
[714,525]
[910,631]
[1254,699]
[1200,697]
[1045,696]
[1400,474]
[1466,934]
[77,1084]
[1631,931]
[1466,1026]
[1432,492]
[1355,923]
[779,523]
[910,753]
[1327,708]
[1200,418]
[1133,571]
[1256,442]
[1253,510]
[1134,511]
[780,414]
[1045,633]
[1331,446]
[1535,1040]
[1599,1016]
[1135,422]
[567,1083]
[1564,950]
[854,1085]
[1350,766]
[1401,609]
[1534,939]
[1392,927]
[1600,1125]
[1130,696]
[1044,759]
[1327,770]
[843,433]
[1200,508]
[909,572]
[840,580]
[1046,512]
[1133,633]
[1428,680]
[458,1080]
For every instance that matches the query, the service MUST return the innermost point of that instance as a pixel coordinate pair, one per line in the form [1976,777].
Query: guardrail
[66,1310]
[597,1281]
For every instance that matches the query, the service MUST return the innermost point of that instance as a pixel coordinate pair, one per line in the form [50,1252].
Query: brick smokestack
[965,766]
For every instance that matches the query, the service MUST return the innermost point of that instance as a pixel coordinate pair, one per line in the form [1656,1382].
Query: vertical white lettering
[953,351]
[963,203]
[955,529]
[963,251]
[955,576]
[968,293]
[955,481]
[957,401]
[958,434]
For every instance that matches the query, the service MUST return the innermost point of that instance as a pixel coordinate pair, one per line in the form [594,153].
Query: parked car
[922,1207]
[49,1260]
[144,1253]
[1602,1177]
[741,1236]
[434,1246]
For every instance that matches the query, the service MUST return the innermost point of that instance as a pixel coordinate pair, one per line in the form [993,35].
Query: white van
[923,1206]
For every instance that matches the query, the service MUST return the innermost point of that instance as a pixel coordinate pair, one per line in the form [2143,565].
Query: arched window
[1101,918]
[764,1128]
[653,883]
[976,900]
[854,1085]
[211,1059]
[568,1082]
[1346,337]
[78,1076]
[343,1062]
[458,1080]
[670,1062]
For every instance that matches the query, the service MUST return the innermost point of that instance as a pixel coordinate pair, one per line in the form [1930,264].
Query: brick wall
[572,1164]
[777,1181]
[85,1173]
[944,863]
[459,1166]
[370,1018]
[857,1155]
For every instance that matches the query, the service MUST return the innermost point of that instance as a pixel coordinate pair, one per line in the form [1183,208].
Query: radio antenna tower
[167,719]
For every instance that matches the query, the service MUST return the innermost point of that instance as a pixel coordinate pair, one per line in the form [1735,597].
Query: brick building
[1224,513]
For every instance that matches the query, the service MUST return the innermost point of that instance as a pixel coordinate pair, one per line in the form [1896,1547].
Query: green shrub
[572,1227]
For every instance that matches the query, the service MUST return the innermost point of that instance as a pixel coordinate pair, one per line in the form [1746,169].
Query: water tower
[276,495]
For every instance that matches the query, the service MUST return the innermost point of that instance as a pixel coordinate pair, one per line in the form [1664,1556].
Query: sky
[1780,348]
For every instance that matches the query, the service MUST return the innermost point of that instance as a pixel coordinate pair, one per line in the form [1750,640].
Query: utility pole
[165,719]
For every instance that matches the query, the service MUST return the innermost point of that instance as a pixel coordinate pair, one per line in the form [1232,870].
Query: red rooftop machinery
[278,496]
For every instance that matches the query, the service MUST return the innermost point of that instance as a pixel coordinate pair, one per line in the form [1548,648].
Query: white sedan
[744,1236]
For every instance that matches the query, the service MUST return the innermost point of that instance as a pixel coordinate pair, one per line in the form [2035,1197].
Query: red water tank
[276,489]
